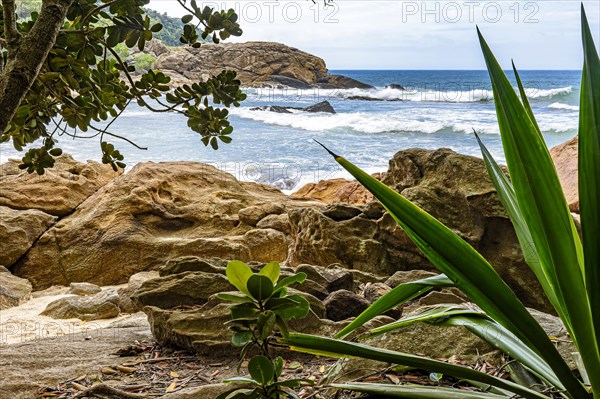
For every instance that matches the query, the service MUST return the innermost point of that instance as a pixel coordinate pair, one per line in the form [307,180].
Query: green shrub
[144,62]
[567,267]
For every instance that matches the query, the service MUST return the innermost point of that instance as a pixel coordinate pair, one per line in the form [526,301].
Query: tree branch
[13,37]
[22,69]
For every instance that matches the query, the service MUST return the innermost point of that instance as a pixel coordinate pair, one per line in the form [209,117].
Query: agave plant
[567,267]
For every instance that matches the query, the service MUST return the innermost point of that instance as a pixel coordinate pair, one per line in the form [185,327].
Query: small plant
[262,308]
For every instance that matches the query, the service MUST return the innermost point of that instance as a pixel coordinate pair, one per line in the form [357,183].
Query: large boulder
[18,231]
[153,213]
[452,187]
[13,290]
[565,159]
[257,64]
[58,191]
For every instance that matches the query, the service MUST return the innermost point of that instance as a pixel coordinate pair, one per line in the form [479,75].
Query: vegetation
[567,267]
[262,307]
[172,28]
[144,62]
[61,74]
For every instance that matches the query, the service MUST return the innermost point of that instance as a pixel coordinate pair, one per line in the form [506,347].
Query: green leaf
[260,287]
[415,392]
[298,311]
[589,183]
[271,270]
[278,365]
[339,348]
[238,274]
[287,281]
[241,338]
[233,297]
[396,297]
[261,369]
[265,324]
[186,19]
[545,210]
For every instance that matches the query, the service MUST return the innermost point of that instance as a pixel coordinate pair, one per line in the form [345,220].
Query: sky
[387,34]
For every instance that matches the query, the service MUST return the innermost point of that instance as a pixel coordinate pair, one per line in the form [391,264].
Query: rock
[339,212]
[373,292]
[323,106]
[344,304]
[276,222]
[420,339]
[395,86]
[565,157]
[103,305]
[126,304]
[4,269]
[189,264]
[453,188]
[402,277]
[51,291]
[13,290]
[258,64]
[438,298]
[153,213]
[554,327]
[188,288]
[58,191]
[253,214]
[335,191]
[83,289]
[359,277]
[332,279]
[19,229]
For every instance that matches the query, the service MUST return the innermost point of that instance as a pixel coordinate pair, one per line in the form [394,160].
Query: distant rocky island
[258,64]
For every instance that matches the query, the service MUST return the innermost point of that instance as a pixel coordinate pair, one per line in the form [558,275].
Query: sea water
[436,109]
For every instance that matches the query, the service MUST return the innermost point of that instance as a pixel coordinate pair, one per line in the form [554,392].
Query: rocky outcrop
[58,191]
[13,290]
[258,64]
[153,213]
[84,289]
[454,188]
[565,157]
[18,231]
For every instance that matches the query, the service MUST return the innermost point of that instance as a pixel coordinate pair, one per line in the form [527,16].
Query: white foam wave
[427,121]
[566,107]
[450,94]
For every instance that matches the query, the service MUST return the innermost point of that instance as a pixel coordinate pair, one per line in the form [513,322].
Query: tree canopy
[61,74]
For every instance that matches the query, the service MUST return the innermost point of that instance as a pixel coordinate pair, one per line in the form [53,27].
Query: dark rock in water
[395,86]
[344,82]
[274,108]
[323,106]
[343,304]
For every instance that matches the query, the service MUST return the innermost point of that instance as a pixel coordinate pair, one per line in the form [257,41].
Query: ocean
[437,109]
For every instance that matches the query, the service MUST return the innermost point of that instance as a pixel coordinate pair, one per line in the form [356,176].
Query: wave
[426,121]
[450,95]
[566,107]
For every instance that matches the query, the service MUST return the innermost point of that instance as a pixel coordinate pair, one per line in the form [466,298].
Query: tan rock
[103,305]
[59,191]
[13,290]
[337,190]
[18,231]
[153,213]
[565,159]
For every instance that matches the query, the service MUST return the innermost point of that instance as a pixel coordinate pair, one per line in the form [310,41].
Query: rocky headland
[258,64]
[83,244]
